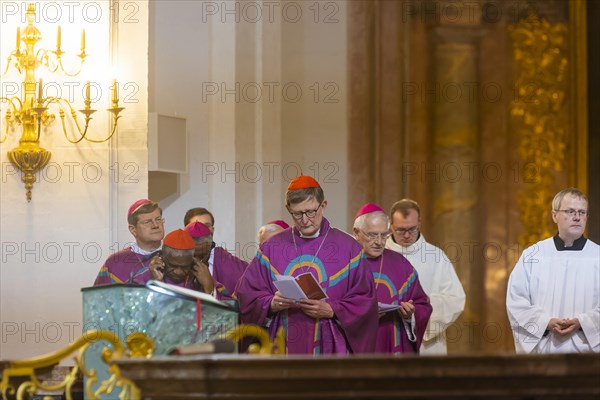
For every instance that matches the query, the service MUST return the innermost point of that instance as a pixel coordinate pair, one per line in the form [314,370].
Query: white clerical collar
[406,250]
[138,250]
[311,236]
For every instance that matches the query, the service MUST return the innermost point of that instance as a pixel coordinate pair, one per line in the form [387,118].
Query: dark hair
[192,212]
[144,209]
[300,195]
[403,206]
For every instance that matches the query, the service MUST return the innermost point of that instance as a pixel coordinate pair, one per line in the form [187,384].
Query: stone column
[450,174]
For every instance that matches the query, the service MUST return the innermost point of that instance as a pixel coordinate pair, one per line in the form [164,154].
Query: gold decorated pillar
[539,119]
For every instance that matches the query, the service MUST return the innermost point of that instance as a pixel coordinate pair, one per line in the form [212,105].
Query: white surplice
[440,282]
[547,283]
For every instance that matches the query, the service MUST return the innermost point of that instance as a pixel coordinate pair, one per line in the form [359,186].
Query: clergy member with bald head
[225,268]
[342,323]
[176,264]
[271,229]
[404,307]
[130,265]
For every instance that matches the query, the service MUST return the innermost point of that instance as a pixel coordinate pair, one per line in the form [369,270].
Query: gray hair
[169,251]
[268,228]
[561,195]
[361,221]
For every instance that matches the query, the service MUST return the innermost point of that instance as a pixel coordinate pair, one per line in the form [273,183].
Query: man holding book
[346,320]
[404,307]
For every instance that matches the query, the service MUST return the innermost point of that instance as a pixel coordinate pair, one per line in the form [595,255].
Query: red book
[303,286]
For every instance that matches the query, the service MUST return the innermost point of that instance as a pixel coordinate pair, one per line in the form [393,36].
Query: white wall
[314,130]
[55,245]
[251,131]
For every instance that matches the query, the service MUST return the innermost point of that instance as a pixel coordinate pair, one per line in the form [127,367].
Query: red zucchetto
[179,239]
[303,182]
[368,208]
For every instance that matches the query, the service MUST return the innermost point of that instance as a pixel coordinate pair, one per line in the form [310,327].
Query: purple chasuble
[227,271]
[125,266]
[336,261]
[397,281]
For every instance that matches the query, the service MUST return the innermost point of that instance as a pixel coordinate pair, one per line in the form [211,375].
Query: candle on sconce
[18,38]
[40,90]
[83,41]
[87,91]
[115,93]
[58,38]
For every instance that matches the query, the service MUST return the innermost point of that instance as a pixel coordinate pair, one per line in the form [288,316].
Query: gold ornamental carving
[138,345]
[539,117]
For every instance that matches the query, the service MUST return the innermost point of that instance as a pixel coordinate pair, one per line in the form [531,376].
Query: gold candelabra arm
[44,60]
[9,60]
[65,71]
[87,112]
[34,111]
[10,117]
[8,123]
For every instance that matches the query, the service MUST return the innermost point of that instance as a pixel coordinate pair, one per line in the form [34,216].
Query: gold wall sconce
[32,110]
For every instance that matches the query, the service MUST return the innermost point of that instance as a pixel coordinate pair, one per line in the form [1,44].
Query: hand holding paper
[280,303]
[384,307]
[407,309]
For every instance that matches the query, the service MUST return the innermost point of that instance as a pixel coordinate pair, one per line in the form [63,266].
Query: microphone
[213,347]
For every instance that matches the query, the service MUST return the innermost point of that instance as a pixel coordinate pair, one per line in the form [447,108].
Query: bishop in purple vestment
[346,321]
[130,265]
[404,307]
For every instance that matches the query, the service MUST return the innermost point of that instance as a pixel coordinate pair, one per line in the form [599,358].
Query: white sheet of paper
[289,288]
[383,307]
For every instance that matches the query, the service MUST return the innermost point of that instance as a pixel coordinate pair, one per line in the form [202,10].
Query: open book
[303,286]
[170,289]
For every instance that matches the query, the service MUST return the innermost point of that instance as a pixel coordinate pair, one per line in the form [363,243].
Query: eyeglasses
[309,214]
[572,213]
[403,231]
[371,236]
[148,222]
